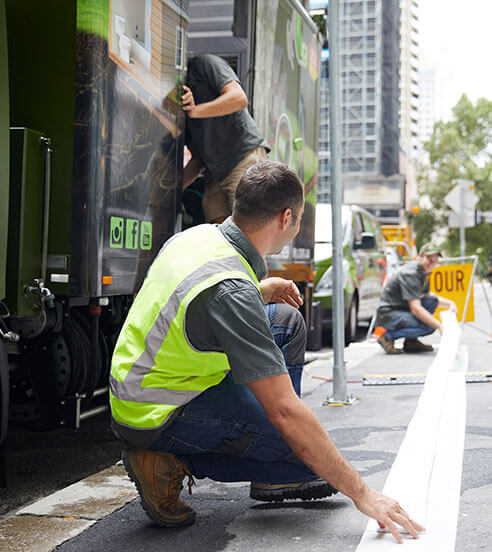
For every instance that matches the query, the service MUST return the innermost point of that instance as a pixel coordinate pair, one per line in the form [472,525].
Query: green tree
[459,148]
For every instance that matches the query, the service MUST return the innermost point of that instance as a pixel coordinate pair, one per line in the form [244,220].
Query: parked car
[364,266]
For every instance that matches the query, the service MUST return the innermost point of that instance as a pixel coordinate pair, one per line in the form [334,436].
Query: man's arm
[445,303]
[231,98]
[304,434]
[425,316]
[192,171]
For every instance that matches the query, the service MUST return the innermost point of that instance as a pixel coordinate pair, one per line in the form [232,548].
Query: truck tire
[4,409]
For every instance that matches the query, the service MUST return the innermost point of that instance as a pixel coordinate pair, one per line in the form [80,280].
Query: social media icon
[132,231]
[116,232]
[146,235]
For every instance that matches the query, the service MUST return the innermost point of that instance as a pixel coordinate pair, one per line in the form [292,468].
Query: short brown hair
[266,190]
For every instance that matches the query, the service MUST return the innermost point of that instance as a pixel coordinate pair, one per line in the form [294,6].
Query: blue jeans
[405,324]
[224,433]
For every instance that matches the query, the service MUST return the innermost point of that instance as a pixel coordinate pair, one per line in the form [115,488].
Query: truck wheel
[4,409]
[352,322]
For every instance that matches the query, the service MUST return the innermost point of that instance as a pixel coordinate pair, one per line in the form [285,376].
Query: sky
[457,36]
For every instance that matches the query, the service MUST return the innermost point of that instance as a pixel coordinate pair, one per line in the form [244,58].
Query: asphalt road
[369,433]
[39,463]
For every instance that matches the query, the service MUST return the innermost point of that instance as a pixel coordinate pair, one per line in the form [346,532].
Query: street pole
[462,219]
[339,375]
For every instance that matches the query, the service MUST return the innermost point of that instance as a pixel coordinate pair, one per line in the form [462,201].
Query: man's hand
[188,101]
[387,512]
[453,307]
[278,290]
[307,438]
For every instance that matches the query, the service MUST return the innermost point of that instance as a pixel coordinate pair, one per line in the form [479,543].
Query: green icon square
[131,234]
[146,235]
[116,232]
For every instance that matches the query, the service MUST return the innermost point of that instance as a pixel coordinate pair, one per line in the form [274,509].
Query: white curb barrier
[426,475]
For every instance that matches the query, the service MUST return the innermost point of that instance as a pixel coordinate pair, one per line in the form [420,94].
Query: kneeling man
[406,306]
[205,379]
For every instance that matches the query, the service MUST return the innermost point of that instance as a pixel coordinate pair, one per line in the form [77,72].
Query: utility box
[27,163]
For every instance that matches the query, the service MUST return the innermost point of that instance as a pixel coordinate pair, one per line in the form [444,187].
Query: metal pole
[470,286]
[339,375]
[462,219]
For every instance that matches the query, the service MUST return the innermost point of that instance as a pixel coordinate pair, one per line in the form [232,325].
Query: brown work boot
[388,345]
[158,477]
[416,346]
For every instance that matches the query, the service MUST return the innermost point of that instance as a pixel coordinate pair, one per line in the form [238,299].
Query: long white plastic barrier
[426,475]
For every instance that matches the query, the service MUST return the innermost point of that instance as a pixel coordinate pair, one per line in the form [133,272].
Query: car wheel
[315,334]
[352,323]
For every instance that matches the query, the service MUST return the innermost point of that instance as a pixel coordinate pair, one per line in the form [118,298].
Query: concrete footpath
[102,512]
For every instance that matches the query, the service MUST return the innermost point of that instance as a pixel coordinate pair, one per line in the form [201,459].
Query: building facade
[379,103]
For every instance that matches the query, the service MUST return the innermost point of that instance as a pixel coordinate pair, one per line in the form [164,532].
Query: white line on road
[426,475]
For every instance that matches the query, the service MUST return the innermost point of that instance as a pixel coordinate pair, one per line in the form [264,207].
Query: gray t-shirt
[230,317]
[219,142]
[407,284]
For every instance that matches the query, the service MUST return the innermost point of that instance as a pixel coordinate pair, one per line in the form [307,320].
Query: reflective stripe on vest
[169,372]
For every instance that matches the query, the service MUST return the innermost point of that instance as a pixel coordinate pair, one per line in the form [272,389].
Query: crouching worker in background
[406,306]
[205,379]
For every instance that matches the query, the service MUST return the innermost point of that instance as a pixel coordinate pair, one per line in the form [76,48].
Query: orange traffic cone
[379,331]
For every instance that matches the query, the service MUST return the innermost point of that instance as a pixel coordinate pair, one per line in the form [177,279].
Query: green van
[364,266]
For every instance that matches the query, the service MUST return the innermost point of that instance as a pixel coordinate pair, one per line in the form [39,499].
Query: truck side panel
[4,147]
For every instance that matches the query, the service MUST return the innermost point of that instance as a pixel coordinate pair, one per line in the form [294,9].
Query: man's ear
[285,215]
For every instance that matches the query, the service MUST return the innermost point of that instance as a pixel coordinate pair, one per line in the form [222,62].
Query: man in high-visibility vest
[205,380]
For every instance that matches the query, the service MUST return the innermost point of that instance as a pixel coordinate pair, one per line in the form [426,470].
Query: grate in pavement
[412,379]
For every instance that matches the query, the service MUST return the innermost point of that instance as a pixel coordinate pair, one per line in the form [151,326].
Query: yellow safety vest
[155,369]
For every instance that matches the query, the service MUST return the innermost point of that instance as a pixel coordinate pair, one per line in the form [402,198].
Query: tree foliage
[459,148]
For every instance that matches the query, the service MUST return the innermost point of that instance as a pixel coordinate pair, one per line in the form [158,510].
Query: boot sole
[145,505]
[286,493]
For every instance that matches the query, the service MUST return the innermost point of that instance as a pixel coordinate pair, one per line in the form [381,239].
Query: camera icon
[116,232]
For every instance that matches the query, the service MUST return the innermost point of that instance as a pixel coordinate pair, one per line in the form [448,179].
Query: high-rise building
[409,77]
[370,97]
[427,104]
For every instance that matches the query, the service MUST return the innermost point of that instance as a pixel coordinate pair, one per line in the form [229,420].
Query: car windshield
[323,229]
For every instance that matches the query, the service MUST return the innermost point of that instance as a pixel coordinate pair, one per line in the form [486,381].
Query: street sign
[452,282]
[483,216]
[454,219]
[470,198]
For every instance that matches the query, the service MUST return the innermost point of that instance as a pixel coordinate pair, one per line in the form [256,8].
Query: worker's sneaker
[416,346]
[388,345]
[158,477]
[309,490]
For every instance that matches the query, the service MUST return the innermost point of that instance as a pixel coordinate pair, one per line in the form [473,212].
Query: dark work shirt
[408,283]
[219,142]
[230,317]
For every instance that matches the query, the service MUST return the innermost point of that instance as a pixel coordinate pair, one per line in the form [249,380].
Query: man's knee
[429,302]
[295,332]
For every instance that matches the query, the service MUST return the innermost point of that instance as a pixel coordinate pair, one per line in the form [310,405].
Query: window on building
[179,48]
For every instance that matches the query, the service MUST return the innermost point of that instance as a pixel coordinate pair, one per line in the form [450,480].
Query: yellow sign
[452,282]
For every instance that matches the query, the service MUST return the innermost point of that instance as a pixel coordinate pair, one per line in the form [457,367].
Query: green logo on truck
[130,233]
